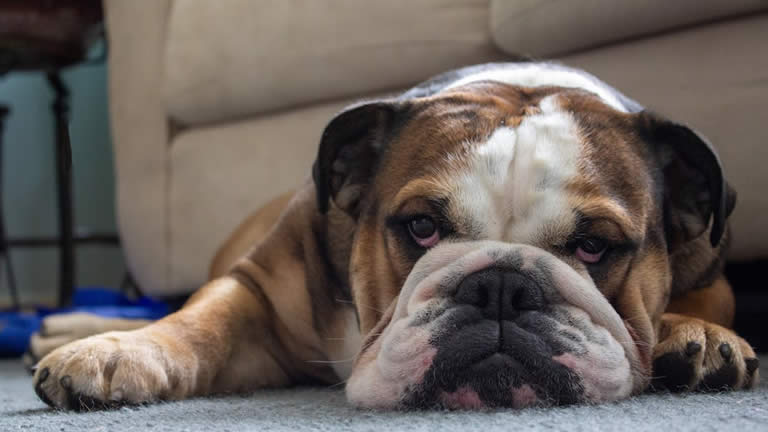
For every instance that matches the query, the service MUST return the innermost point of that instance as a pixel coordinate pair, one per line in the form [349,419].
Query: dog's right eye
[591,250]
[423,230]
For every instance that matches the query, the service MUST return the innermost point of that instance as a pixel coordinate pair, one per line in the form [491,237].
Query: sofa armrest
[136,31]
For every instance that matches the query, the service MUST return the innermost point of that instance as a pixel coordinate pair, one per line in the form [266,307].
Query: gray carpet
[326,410]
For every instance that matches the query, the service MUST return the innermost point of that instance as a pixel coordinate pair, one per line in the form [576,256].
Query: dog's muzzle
[488,324]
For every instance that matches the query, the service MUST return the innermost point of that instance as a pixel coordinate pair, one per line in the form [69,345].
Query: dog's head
[512,245]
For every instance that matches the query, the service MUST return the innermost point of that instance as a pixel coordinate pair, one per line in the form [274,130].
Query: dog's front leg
[221,341]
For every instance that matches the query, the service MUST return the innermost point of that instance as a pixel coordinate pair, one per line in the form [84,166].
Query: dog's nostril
[478,289]
[500,294]
[522,293]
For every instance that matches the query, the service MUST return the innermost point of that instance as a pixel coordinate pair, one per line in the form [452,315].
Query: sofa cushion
[213,188]
[556,27]
[715,79]
[237,58]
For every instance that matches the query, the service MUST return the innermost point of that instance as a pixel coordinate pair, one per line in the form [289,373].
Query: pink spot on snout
[569,361]
[462,398]
[523,396]
[423,364]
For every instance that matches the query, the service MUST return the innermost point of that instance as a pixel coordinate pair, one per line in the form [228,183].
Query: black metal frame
[4,243]
[63,149]
[67,239]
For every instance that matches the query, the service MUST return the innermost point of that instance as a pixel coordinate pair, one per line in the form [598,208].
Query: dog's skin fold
[502,235]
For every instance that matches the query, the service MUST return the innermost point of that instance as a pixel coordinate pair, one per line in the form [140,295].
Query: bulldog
[502,235]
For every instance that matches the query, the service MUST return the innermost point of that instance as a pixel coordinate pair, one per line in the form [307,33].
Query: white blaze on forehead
[513,187]
[538,75]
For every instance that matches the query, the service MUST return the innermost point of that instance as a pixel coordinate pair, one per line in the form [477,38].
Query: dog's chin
[436,353]
[497,380]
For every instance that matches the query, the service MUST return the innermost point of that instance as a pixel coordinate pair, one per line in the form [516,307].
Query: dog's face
[512,245]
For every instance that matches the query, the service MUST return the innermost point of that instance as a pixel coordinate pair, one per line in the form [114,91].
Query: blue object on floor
[17,327]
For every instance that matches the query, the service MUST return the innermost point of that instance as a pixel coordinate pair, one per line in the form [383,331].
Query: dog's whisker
[633,318]
[342,339]
[338,384]
[331,361]
[361,304]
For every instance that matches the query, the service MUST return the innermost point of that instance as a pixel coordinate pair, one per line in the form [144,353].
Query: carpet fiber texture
[320,409]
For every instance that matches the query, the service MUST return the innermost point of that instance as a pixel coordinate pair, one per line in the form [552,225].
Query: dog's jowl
[503,235]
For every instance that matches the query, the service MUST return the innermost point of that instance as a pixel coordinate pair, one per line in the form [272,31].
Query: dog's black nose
[501,294]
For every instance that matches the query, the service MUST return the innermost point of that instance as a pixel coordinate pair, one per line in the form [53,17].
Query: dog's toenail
[39,388]
[725,351]
[43,375]
[752,365]
[66,382]
[692,348]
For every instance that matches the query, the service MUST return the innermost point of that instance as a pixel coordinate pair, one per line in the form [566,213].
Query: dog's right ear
[696,194]
[349,153]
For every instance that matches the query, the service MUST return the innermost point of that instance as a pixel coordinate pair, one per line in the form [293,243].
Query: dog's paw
[109,370]
[695,355]
[60,329]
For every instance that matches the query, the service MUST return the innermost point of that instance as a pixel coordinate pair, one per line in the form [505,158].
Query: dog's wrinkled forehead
[517,164]
[520,170]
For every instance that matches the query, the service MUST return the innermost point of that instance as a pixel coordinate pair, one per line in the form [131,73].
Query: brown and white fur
[516,166]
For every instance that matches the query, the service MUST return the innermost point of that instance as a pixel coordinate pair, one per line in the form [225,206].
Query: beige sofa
[217,106]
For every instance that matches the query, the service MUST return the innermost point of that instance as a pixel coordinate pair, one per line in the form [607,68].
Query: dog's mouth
[504,363]
[488,324]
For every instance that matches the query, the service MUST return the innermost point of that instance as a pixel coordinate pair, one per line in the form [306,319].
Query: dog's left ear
[695,189]
[349,152]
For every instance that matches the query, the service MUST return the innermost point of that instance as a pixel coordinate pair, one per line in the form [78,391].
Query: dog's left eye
[423,230]
[591,250]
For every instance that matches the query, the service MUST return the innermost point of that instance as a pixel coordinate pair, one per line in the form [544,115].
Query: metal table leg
[63,150]
[5,252]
